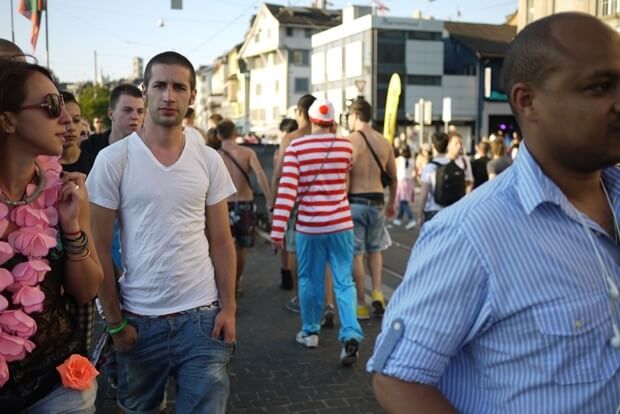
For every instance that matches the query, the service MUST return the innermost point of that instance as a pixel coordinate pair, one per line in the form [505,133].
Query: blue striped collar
[534,187]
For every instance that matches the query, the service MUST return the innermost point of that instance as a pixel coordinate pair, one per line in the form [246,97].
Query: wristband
[74,234]
[118,329]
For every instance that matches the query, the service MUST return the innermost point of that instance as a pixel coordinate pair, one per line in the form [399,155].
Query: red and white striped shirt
[314,173]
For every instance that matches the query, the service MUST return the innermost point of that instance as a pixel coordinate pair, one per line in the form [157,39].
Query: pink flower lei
[20,292]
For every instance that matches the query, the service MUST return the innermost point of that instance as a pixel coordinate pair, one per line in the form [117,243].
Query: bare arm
[262,178]
[396,397]
[277,166]
[391,169]
[103,232]
[222,251]
[424,191]
[82,277]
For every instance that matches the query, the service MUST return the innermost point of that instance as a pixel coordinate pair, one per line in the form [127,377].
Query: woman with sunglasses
[45,251]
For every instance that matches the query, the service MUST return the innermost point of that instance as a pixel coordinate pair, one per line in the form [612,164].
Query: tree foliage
[94,101]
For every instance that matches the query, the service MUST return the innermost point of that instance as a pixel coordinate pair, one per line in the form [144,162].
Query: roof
[305,16]
[486,40]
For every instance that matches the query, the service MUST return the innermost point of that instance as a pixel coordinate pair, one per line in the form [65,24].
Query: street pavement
[270,372]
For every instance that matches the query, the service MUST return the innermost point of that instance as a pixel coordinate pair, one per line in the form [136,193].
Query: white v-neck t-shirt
[162,222]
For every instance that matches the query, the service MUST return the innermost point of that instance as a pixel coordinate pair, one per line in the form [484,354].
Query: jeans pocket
[206,321]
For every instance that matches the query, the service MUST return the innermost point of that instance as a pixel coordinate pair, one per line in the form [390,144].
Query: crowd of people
[149,223]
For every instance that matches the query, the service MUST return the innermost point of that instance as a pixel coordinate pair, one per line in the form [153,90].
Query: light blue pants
[313,253]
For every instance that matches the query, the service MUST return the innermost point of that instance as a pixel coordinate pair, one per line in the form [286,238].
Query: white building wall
[268,98]
[265,36]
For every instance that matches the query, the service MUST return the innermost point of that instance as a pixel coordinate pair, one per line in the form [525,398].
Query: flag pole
[12,25]
[47,37]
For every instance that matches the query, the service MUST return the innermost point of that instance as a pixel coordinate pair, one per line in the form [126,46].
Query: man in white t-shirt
[445,149]
[177,293]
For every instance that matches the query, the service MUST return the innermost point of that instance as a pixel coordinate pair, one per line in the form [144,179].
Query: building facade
[606,10]
[276,51]
[434,60]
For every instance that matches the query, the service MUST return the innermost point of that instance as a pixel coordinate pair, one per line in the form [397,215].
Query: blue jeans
[404,208]
[369,229]
[179,346]
[66,400]
[313,254]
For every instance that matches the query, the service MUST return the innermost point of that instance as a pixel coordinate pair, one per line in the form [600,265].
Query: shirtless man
[368,206]
[240,161]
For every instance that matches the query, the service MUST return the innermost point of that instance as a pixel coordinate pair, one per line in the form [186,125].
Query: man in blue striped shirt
[474,330]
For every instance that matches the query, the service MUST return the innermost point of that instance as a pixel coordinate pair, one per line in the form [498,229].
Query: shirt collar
[534,187]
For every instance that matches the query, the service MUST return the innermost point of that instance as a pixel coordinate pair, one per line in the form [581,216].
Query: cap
[321,112]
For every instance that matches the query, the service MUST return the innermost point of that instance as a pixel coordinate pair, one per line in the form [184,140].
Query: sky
[119,30]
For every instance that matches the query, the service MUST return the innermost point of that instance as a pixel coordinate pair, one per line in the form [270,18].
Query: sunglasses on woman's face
[53,105]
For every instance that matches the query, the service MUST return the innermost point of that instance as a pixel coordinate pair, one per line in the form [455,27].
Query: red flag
[31,10]
[382,7]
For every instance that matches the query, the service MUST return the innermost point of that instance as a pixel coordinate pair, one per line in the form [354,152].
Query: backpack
[449,183]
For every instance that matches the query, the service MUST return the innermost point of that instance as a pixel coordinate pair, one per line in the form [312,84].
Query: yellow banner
[391,108]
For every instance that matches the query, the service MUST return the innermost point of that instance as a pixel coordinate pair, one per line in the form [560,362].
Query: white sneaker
[410,225]
[397,222]
[307,340]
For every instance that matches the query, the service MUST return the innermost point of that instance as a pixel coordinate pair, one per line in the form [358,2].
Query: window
[530,10]
[308,33]
[277,88]
[424,80]
[420,35]
[301,85]
[258,63]
[299,57]
[391,47]
[289,32]
[259,89]
[609,7]
[276,113]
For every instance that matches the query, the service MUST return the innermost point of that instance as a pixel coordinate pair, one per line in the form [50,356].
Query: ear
[110,112]
[7,123]
[193,97]
[523,99]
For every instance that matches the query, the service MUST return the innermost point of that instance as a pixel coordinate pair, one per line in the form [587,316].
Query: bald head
[9,50]
[533,54]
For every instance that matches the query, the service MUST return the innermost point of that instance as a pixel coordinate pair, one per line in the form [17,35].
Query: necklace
[28,199]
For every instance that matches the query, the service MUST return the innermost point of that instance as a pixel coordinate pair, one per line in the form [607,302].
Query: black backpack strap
[372,151]
[230,157]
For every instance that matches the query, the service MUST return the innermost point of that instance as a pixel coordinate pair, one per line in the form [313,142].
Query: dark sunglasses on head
[53,105]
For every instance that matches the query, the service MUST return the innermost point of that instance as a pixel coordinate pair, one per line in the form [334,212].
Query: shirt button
[578,324]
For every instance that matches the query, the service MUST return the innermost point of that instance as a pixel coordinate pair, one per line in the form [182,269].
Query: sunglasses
[53,105]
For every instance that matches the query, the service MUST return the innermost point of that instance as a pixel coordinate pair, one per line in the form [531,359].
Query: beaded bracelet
[118,329]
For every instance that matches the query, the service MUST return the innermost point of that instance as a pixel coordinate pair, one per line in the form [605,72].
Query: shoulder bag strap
[372,151]
[230,157]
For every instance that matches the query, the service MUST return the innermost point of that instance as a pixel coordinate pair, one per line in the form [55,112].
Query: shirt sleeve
[469,175]
[221,185]
[287,194]
[427,172]
[103,182]
[442,304]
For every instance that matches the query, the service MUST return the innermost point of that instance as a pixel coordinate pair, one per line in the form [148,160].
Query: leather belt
[213,305]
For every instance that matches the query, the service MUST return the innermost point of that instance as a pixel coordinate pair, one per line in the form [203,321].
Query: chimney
[319,4]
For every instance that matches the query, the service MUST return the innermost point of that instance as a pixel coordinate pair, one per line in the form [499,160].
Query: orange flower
[77,373]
